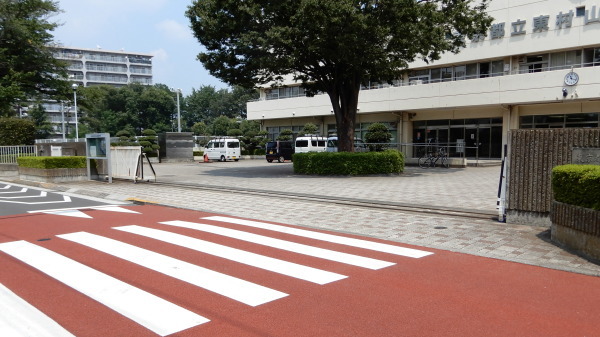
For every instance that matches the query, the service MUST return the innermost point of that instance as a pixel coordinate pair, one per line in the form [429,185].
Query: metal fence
[9,154]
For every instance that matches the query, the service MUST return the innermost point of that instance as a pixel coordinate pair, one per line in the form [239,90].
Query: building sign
[586,155]
[538,24]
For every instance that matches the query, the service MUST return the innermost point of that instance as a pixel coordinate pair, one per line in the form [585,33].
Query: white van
[359,145]
[223,149]
[311,144]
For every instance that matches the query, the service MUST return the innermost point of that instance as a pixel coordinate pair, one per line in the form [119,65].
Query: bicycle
[431,158]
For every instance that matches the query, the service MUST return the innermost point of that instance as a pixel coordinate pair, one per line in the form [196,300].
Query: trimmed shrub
[53,162]
[259,152]
[198,153]
[577,185]
[348,163]
[378,136]
[148,143]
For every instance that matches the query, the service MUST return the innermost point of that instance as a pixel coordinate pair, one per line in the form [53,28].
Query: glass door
[471,142]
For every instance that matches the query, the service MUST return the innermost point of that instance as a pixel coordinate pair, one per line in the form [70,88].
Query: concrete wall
[576,228]
[176,146]
[68,148]
[531,156]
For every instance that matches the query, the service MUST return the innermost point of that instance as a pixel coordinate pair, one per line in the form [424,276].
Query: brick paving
[472,188]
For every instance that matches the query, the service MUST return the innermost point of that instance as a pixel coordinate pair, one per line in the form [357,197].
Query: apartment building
[537,67]
[89,67]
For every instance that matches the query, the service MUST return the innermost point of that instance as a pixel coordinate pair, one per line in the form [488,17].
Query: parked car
[223,149]
[279,150]
[311,144]
[359,145]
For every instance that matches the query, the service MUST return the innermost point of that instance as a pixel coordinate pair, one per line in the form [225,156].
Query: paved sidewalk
[472,188]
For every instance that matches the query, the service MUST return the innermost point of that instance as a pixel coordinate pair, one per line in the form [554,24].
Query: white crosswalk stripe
[231,287]
[326,254]
[376,246]
[150,311]
[155,313]
[20,319]
[256,260]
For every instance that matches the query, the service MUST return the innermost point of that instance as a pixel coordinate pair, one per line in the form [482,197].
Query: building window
[418,77]
[582,120]
[447,74]
[591,57]
[460,72]
[534,64]
[580,11]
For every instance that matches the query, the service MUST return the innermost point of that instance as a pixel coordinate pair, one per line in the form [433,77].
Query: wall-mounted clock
[571,78]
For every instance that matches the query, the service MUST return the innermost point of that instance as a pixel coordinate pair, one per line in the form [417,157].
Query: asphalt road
[18,199]
[154,270]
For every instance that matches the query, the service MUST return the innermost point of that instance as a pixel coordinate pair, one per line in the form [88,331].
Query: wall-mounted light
[565,92]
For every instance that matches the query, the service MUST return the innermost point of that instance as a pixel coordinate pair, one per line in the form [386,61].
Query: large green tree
[330,46]
[207,103]
[133,107]
[28,68]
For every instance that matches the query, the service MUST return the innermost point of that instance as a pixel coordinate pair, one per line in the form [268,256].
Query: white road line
[42,195]
[376,246]
[21,319]
[83,208]
[243,291]
[264,262]
[24,189]
[65,199]
[154,313]
[326,254]
[5,187]
[111,208]
[71,212]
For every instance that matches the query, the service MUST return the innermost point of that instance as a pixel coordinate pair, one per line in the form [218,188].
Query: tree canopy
[28,68]
[207,103]
[329,46]
[133,107]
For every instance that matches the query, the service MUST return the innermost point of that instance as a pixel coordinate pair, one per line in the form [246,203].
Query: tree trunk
[344,100]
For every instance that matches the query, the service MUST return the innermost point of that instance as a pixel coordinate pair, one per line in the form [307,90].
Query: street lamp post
[75,109]
[62,115]
[178,112]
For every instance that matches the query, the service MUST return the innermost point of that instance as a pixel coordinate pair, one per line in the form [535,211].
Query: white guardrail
[9,154]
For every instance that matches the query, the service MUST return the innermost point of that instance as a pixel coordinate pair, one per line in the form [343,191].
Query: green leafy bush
[259,152]
[17,131]
[198,153]
[577,185]
[378,135]
[148,143]
[53,162]
[349,163]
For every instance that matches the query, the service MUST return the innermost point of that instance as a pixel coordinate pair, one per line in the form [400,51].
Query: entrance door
[484,142]
[478,142]
[471,142]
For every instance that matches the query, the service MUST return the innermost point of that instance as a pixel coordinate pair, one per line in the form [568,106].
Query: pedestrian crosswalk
[161,316]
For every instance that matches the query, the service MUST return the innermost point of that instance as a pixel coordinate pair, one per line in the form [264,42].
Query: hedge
[577,185]
[53,162]
[349,163]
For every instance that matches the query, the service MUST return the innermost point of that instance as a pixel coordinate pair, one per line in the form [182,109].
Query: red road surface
[444,294]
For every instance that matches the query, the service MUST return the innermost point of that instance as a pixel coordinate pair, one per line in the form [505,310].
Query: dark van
[280,150]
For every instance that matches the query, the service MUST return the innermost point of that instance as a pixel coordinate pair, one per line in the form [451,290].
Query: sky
[156,27]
